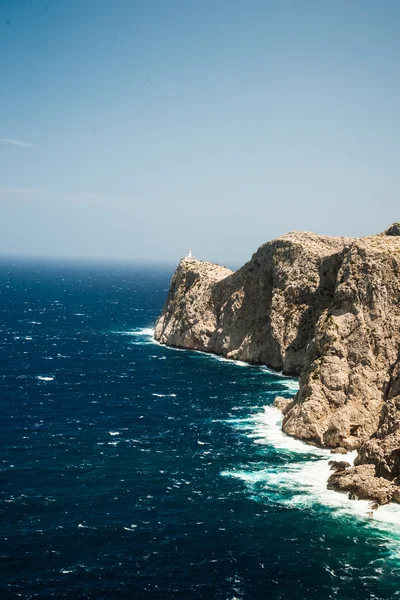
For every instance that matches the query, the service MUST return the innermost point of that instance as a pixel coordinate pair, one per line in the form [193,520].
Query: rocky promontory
[324,309]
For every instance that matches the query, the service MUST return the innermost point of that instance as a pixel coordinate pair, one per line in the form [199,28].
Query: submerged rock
[322,308]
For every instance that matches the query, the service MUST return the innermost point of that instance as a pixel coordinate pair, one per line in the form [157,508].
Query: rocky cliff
[322,308]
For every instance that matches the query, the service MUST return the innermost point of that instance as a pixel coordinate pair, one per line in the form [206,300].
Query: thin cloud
[18,143]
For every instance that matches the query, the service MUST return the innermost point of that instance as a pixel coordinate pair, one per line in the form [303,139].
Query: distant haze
[133,130]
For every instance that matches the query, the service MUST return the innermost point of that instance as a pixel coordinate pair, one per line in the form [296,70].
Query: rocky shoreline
[326,310]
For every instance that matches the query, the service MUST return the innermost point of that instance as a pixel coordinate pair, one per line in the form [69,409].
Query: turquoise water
[131,470]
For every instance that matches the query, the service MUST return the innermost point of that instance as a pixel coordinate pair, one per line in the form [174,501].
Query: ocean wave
[232,361]
[141,335]
[131,528]
[291,384]
[145,335]
[301,481]
[266,428]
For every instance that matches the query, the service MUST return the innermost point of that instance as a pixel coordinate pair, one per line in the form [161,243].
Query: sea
[131,470]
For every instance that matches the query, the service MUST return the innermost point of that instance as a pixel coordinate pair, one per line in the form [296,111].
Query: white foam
[238,363]
[138,332]
[266,428]
[291,384]
[144,331]
[114,432]
[45,378]
[302,482]
[302,479]
[141,335]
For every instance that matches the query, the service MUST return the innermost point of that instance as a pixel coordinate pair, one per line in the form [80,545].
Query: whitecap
[141,335]
[114,432]
[145,331]
[45,378]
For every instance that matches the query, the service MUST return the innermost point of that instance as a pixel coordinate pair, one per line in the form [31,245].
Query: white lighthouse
[189,253]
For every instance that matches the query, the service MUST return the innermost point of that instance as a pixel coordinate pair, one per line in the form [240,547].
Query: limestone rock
[189,319]
[264,313]
[361,483]
[339,450]
[338,465]
[322,308]
[283,404]
[350,359]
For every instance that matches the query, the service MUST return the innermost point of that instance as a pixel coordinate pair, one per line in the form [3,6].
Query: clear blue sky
[149,126]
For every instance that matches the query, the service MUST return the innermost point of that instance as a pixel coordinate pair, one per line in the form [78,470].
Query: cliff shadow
[295,355]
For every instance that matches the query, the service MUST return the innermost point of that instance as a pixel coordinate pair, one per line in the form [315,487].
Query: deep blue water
[131,470]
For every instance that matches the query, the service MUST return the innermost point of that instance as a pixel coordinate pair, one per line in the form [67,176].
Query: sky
[133,129]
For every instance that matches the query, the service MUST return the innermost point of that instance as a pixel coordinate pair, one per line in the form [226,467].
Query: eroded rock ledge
[324,309]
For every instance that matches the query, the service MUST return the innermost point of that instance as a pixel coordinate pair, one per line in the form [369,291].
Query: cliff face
[350,362]
[189,317]
[265,313]
[326,309]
